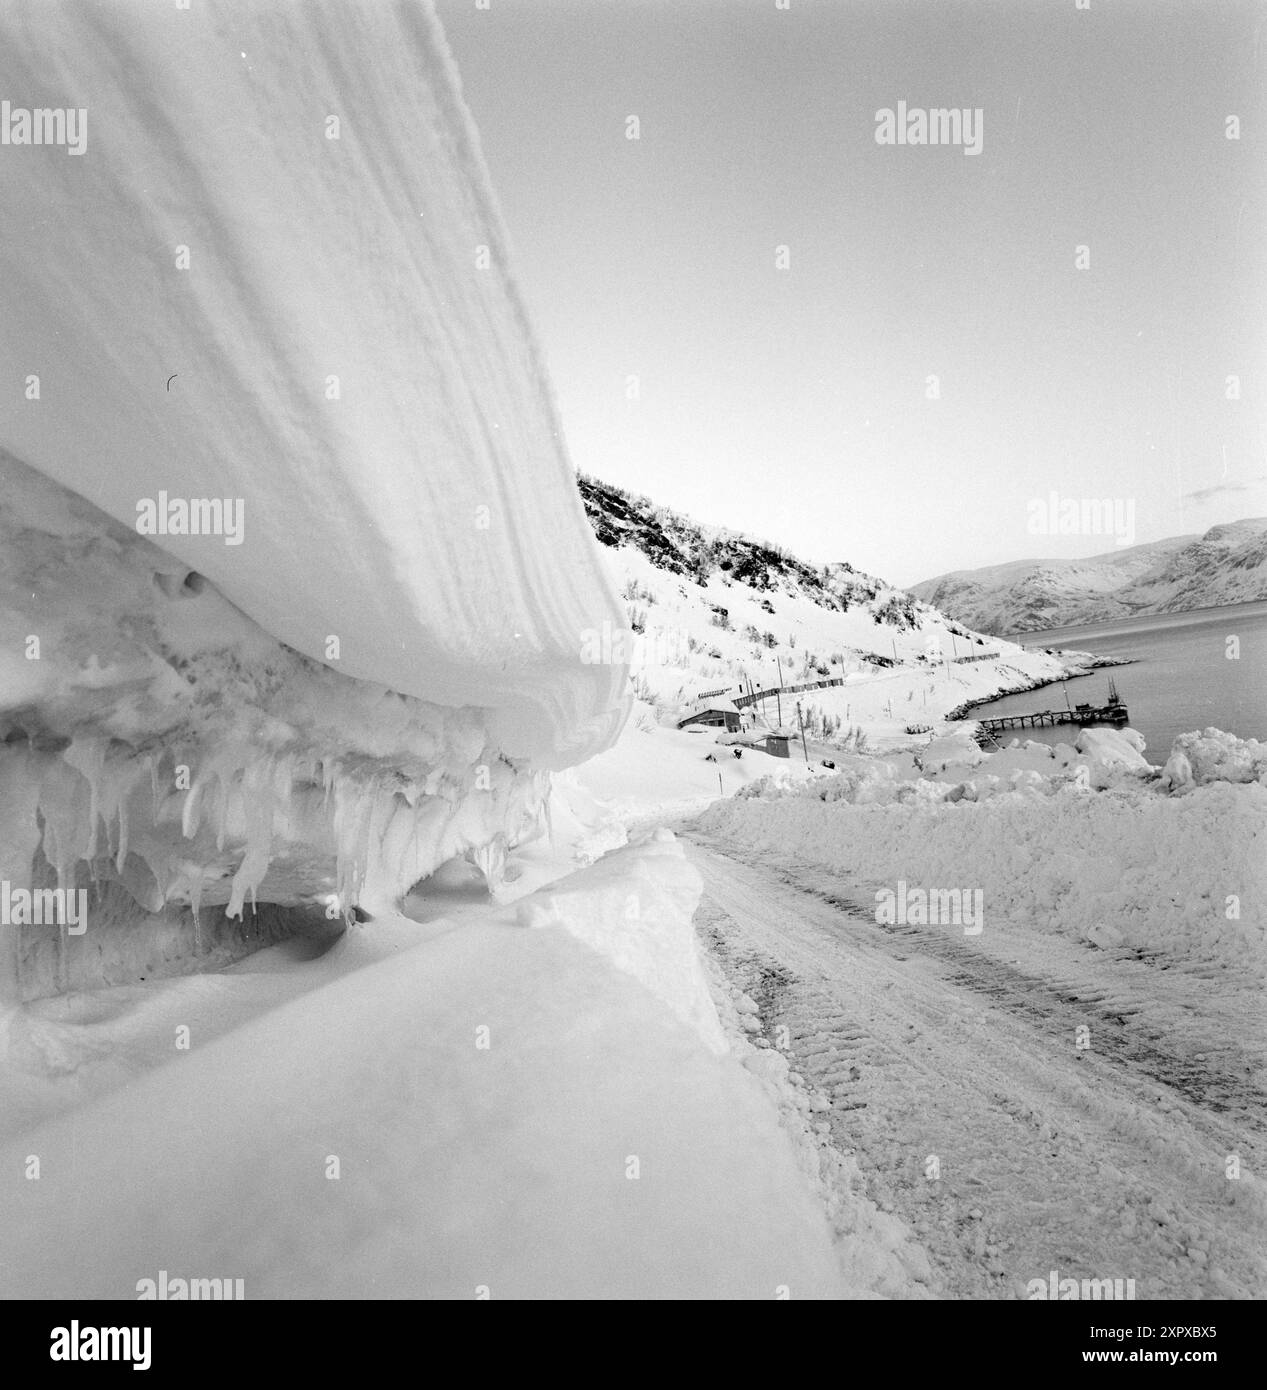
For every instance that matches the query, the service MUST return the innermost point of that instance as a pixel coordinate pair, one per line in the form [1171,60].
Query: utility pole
[801,722]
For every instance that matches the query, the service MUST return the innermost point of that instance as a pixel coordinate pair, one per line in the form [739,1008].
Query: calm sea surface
[1182,677]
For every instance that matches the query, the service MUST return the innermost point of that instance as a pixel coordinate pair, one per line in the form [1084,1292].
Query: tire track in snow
[1106,1162]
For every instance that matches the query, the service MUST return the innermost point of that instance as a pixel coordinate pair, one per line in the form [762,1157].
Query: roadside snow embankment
[306,373]
[494,1112]
[277,279]
[637,912]
[175,764]
[1126,866]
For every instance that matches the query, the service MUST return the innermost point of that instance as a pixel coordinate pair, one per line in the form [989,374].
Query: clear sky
[795,403]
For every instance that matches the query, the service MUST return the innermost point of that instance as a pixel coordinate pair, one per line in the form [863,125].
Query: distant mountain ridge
[1228,564]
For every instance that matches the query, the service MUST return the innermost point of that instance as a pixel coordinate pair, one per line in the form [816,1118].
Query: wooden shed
[717,712]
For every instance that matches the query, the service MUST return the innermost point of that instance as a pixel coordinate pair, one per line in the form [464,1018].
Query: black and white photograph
[633,663]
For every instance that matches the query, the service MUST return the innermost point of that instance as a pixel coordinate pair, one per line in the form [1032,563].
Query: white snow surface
[1211,755]
[1084,840]
[458,1109]
[427,516]
[639,916]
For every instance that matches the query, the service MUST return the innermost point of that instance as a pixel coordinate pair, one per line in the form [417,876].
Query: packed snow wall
[255,258]
[297,588]
[166,765]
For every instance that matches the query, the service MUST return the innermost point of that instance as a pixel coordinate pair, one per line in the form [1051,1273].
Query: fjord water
[1183,675]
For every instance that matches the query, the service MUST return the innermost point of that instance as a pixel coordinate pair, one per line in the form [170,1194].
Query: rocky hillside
[680,546]
[1228,564]
[714,613]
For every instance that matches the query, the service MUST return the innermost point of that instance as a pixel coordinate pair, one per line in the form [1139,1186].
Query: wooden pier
[1083,716]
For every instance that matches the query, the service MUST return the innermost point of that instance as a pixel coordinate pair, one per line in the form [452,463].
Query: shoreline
[961,712]
[1161,615]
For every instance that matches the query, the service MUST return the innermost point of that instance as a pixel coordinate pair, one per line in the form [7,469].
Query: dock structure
[1114,713]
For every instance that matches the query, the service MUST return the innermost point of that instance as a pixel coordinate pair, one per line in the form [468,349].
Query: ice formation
[157,741]
[268,322]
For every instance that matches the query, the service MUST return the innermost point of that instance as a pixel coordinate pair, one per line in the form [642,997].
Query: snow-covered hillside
[712,611]
[1228,564]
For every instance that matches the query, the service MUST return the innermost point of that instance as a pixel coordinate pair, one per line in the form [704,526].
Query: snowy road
[1106,1161]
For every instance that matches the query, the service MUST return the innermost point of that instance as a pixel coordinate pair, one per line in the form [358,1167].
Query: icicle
[88,757]
[547,817]
[121,853]
[191,809]
[224,785]
[154,761]
[490,859]
[195,902]
[250,873]
[19,839]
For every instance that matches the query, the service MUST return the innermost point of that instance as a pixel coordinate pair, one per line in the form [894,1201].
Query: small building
[717,712]
[778,745]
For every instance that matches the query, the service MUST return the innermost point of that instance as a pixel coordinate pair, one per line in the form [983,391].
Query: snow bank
[956,748]
[1123,867]
[163,754]
[1197,759]
[504,1115]
[276,276]
[635,908]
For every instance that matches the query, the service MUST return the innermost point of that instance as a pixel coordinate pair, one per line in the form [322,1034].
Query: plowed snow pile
[485,1111]
[263,320]
[1084,841]
[277,277]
